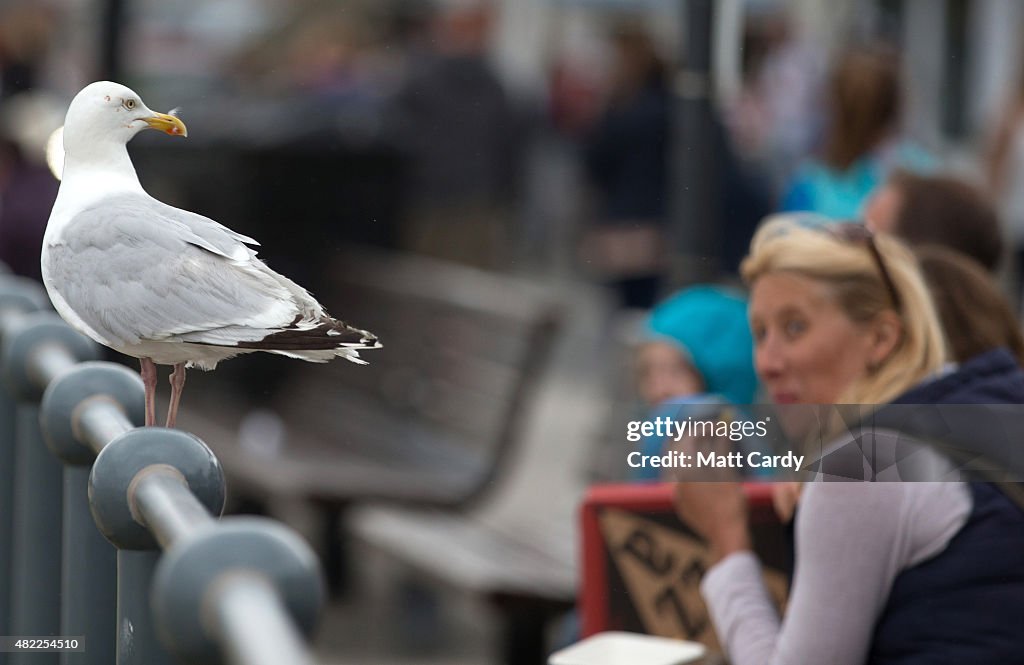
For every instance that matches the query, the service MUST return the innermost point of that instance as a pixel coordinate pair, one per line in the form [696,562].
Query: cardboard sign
[643,567]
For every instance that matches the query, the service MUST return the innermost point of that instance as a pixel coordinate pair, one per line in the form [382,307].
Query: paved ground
[386,624]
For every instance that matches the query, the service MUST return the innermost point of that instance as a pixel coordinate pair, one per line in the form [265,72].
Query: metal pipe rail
[247,600]
[163,502]
[239,590]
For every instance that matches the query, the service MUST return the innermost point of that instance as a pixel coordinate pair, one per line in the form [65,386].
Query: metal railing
[113,535]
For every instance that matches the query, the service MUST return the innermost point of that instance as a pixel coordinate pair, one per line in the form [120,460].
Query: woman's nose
[768,359]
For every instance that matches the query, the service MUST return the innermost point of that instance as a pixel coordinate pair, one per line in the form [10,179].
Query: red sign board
[642,567]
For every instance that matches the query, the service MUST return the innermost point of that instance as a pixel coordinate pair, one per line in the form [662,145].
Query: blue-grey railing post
[7,415]
[37,348]
[81,412]
[35,561]
[88,578]
[137,642]
[241,590]
[246,591]
[18,296]
[121,470]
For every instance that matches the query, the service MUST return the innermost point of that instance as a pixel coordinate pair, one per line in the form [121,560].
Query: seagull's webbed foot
[148,372]
[177,386]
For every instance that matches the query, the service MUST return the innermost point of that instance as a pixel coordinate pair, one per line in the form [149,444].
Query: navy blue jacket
[966,604]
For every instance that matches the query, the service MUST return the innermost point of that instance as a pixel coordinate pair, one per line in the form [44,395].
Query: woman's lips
[784,398]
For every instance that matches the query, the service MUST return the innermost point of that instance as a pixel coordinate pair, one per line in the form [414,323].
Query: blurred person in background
[1004,165]
[695,359]
[463,138]
[862,142]
[941,210]
[626,162]
[886,572]
[27,188]
[27,192]
[318,49]
[974,313]
[776,119]
[26,32]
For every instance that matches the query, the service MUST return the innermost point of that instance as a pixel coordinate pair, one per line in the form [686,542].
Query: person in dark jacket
[626,160]
[886,572]
[463,137]
[27,192]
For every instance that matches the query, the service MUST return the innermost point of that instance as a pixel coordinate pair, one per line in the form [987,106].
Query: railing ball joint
[127,457]
[36,344]
[192,587]
[64,406]
[22,294]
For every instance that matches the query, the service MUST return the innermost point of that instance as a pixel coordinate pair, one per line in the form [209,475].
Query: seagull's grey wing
[200,231]
[132,275]
[211,235]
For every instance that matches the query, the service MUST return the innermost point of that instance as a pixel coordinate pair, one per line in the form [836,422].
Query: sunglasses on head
[849,232]
[856,232]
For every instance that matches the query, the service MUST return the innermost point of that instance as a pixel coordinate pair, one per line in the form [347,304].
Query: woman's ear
[886,334]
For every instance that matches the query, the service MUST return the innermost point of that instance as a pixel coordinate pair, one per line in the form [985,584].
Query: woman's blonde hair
[851,273]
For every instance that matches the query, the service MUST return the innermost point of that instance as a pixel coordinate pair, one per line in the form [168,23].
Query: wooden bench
[518,548]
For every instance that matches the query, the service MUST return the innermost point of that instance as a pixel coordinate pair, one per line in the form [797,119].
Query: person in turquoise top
[861,146]
[696,359]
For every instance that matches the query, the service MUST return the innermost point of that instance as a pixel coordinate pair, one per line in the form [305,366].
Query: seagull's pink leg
[149,381]
[177,385]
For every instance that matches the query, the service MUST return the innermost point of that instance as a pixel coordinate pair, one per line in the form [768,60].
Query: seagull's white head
[107,115]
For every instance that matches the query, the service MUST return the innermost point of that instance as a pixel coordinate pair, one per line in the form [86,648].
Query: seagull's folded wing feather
[201,231]
[135,269]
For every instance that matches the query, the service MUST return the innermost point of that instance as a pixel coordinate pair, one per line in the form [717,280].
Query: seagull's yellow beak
[168,124]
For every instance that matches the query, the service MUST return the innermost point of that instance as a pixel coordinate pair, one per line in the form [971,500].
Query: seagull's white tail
[352,355]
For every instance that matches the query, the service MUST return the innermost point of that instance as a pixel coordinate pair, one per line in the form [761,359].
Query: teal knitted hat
[709,324]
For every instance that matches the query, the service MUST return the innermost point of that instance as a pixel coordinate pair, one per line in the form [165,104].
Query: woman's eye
[129,104]
[795,328]
[759,333]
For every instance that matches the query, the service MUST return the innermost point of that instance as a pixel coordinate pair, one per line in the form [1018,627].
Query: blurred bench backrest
[462,350]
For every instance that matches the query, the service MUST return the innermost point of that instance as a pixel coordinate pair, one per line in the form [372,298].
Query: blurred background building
[394,86]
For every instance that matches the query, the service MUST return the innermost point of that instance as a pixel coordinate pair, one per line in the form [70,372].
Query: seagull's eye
[129,104]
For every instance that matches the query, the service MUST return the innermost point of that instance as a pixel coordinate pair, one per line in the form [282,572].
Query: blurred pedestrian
[775,118]
[862,142]
[1004,165]
[974,313]
[26,33]
[27,192]
[940,210]
[626,159]
[463,137]
[27,187]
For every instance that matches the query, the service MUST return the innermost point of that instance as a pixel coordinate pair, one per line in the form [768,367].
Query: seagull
[161,284]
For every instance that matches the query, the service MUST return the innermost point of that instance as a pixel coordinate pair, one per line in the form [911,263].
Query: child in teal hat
[695,357]
[701,336]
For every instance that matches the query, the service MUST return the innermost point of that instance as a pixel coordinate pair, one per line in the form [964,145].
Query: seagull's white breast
[80,189]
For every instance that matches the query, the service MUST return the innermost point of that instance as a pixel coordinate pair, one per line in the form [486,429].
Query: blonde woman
[898,572]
